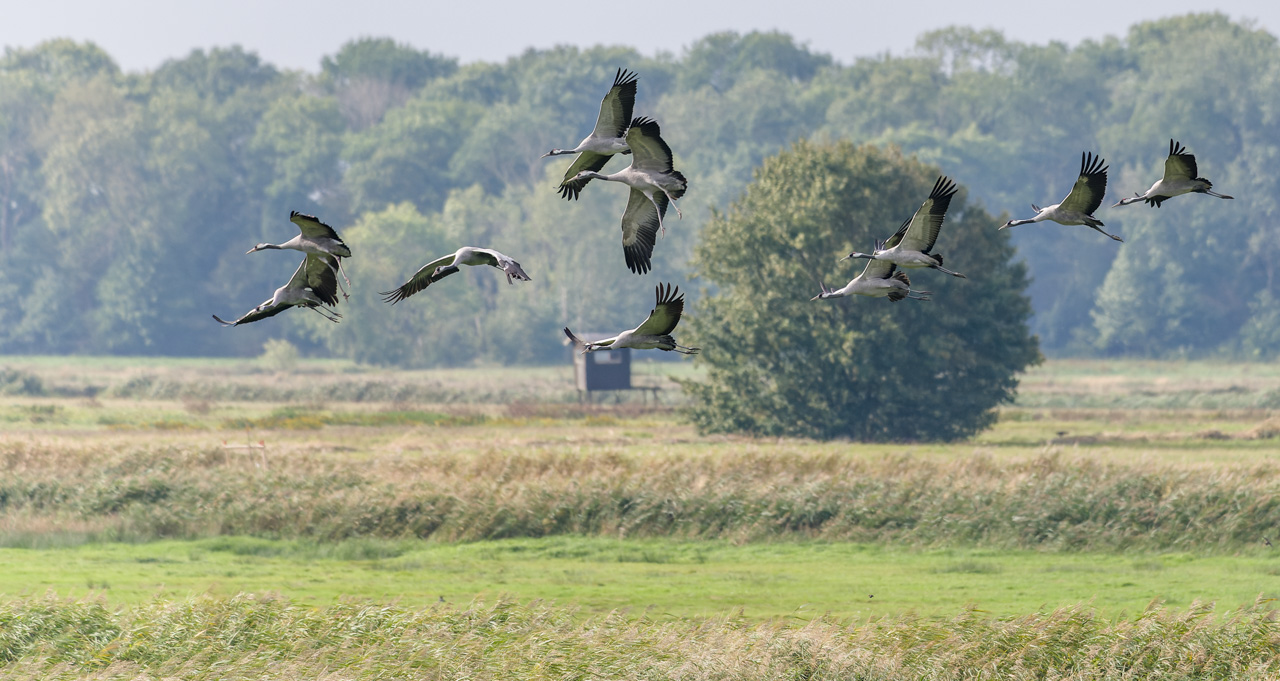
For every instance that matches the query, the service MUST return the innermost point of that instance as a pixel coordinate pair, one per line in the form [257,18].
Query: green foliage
[280,355]
[780,364]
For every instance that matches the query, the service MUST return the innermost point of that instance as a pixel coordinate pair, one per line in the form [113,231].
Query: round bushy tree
[867,369]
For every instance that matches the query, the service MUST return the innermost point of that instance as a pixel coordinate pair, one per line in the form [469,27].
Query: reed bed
[531,489]
[265,637]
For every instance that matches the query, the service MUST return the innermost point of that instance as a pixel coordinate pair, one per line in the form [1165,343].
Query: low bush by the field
[743,494]
[249,637]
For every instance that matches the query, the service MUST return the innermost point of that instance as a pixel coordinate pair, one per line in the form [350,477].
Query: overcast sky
[295,34]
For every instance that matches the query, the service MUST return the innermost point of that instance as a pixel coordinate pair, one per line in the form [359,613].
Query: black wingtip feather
[1092,165]
[943,188]
[624,77]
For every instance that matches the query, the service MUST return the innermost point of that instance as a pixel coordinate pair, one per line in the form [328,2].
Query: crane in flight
[654,333]
[314,237]
[312,286]
[878,280]
[606,139]
[654,183]
[442,267]
[1179,178]
[1084,198]
[910,246]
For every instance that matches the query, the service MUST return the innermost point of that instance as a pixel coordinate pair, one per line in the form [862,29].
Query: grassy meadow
[169,517]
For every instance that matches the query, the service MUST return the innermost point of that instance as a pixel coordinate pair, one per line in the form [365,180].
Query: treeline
[127,200]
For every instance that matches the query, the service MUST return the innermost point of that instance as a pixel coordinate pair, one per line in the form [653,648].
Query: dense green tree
[718,60]
[61,61]
[218,74]
[1180,284]
[370,76]
[780,364]
[406,156]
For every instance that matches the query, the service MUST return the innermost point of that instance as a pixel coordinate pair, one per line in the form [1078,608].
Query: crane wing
[258,313]
[665,313]
[579,343]
[1090,187]
[640,228]
[318,272]
[587,160]
[878,269]
[616,107]
[921,231]
[503,262]
[1180,165]
[424,277]
[648,150]
[311,227]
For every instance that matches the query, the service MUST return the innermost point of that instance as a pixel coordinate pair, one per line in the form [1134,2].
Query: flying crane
[654,183]
[909,247]
[878,280]
[442,267]
[606,139]
[1179,178]
[654,333]
[1084,198]
[313,285]
[314,237]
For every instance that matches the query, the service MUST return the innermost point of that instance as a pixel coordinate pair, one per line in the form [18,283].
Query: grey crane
[606,139]
[440,268]
[1179,178]
[654,184]
[654,333]
[910,246]
[313,285]
[1084,198]
[314,237]
[879,279]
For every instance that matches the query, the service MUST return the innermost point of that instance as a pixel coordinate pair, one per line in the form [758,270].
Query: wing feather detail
[665,314]
[922,229]
[587,160]
[640,229]
[648,150]
[424,277]
[617,105]
[1180,165]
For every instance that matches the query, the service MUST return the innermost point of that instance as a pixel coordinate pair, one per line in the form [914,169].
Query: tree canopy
[869,369]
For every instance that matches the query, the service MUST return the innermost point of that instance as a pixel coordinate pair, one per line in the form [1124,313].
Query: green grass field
[139,486]
[683,579]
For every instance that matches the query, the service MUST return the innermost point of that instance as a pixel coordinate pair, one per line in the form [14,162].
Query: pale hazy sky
[295,34]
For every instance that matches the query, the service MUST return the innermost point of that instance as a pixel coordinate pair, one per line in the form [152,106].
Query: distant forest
[128,200]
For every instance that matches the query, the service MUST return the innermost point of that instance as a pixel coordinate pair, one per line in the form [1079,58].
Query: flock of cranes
[655,185]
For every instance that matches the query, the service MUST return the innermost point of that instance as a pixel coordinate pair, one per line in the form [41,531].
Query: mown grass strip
[701,578]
